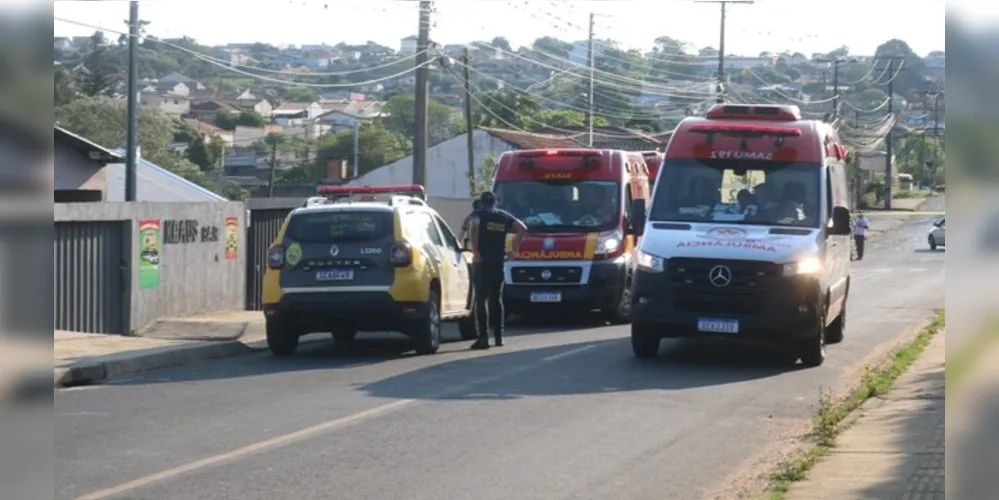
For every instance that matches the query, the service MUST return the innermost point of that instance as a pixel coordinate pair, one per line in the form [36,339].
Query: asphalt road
[562,412]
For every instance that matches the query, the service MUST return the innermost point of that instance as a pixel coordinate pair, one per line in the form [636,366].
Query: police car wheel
[426,333]
[280,340]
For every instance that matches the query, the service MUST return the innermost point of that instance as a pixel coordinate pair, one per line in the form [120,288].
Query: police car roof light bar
[414,190]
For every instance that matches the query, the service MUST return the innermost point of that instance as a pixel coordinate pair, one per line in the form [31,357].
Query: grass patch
[828,421]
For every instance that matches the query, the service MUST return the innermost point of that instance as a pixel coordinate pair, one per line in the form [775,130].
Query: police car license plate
[713,325]
[335,275]
[546,296]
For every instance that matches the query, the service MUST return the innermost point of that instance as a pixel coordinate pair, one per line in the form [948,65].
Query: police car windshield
[738,192]
[553,206]
[339,226]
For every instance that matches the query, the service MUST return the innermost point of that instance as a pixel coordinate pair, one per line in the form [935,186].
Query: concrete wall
[195,277]
[447,166]
[452,210]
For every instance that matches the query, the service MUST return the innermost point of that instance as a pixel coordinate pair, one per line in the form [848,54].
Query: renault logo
[334,251]
[720,276]
[548,243]
[546,275]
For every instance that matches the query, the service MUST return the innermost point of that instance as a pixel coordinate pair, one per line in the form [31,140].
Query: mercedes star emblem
[720,276]
[546,275]
[334,250]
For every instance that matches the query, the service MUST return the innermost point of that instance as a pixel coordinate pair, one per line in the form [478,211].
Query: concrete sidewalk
[885,222]
[84,358]
[895,449]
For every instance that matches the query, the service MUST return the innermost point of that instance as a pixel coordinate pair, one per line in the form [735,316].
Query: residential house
[735,63]
[874,163]
[402,81]
[80,172]
[319,58]
[373,88]
[292,113]
[210,130]
[173,105]
[175,78]
[707,52]
[447,161]
[936,65]
[172,88]
[63,44]
[207,111]
[233,57]
[85,171]
[408,45]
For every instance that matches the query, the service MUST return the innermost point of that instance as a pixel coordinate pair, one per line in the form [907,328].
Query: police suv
[344,264]
[747,235]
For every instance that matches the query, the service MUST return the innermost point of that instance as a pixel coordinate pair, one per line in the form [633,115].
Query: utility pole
[422,91]
[721,43]
[270,181]
[132,137]
[357,148]
[889,180]
[592,63]
[936,113]
[469,142]
[836,62]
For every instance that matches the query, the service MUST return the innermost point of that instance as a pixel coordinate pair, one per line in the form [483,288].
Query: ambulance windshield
[552,206]
[738,191]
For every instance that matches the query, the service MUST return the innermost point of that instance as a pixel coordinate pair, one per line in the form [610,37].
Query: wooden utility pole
[721,43]
[836,62]
[591,57]
[270,181]
[132,129]
[889,179]
[469,136]
[422,96]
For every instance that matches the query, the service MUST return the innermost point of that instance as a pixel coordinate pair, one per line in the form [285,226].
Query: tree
[250,118]
[377,146]
[206,151]
[484,174]
[64,86]
[442,122]
[501,43]
[911,78]
[102,120]
[99,76]
[224,119]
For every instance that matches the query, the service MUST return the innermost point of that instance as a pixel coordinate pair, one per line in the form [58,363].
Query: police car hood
[740,242]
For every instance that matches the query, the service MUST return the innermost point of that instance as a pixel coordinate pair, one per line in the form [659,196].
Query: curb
[104,368]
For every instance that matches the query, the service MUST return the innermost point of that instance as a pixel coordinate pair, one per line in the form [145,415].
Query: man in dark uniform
[489,228]
[466,226]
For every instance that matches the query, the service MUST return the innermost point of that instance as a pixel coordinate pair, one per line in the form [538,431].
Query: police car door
[437,254]
[462,276]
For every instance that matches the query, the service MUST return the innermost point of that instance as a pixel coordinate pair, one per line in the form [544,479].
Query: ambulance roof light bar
[333,192]
[778,113]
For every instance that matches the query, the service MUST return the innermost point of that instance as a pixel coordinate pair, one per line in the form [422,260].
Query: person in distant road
[860,227]
[488,229]
[465,226]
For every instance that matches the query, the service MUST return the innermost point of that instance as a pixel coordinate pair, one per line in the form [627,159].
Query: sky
[805,26]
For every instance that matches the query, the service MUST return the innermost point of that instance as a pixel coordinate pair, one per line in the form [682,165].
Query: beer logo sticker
[293,255]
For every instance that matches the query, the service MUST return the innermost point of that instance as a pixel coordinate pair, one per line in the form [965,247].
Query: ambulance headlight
[648,262]
[807,265]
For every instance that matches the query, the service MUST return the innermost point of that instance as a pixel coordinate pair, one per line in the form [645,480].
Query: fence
[120,266]
[266,216]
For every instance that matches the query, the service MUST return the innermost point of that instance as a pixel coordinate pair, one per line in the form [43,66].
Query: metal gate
[91,276]
[264,227]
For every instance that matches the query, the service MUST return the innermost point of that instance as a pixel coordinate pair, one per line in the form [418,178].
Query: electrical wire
[875,109]
[227,67]
[898,71]
[870,71]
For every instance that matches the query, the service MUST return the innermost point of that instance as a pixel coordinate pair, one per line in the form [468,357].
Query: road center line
[565,354]
[309,431]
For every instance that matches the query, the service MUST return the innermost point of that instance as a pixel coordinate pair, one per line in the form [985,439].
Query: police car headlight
[807,265]
[649,262]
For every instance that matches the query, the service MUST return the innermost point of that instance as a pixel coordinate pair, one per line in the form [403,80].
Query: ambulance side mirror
[638,216]
[840,225]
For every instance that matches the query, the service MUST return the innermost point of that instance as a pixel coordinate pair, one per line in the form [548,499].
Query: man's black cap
[488,199]
[476,204]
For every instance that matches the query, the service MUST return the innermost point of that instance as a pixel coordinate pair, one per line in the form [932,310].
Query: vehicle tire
[620,313]
[812,350]
[344,336]
[835,331]
[426,332]
[280,340]
[644,343]
[933,242]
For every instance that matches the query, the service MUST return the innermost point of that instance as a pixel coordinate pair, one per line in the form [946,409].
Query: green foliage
[102,120]
[98,76]
[226,120]
[206,151]
[525,112]
[484,174]
[377,146]
[250,118]
[443,122]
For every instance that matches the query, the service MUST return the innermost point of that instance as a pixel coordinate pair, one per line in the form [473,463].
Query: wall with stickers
[186,258]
